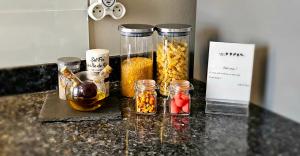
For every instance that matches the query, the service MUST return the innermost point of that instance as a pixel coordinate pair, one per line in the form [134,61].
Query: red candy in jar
[180,99]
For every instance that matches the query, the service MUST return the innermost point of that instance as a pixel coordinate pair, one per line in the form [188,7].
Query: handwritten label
[229,74]
[97,62]
[97,59]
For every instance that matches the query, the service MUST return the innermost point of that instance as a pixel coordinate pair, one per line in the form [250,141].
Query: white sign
[229,72]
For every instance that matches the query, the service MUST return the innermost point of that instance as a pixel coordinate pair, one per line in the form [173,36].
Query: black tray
[55,109]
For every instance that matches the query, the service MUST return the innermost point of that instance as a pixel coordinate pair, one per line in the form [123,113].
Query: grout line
[37,11]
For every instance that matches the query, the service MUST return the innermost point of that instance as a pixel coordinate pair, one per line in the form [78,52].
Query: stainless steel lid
[136,29]
[173,28]
[68,60]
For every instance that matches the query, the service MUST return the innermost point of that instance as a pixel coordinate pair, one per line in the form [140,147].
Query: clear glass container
[136,55]
[145,97]
[72,63]
[179,97]
[85,94]
[172,55]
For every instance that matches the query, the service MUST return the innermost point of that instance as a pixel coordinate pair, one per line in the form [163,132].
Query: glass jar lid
[173,29]
[145,85]
[68,61]
[136,30]
[180,85]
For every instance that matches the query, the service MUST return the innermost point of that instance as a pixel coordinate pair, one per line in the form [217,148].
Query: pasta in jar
[172,54]
[172,63]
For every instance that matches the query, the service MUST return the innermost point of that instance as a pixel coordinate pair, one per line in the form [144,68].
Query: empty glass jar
[172,54]
[136,55]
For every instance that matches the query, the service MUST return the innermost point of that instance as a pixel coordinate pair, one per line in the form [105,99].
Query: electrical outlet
[96,11]
[118,11]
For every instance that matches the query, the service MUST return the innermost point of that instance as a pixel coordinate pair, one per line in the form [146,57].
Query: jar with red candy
[179,97]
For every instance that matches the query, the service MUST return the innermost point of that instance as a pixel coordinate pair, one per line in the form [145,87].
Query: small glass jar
[172,54]
[179,97]
[145,97]
[136,55]
[88,95]
[72,63]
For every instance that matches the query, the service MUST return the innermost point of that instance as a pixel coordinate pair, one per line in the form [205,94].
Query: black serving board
[55,110]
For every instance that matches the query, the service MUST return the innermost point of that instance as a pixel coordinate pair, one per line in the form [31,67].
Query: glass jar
[136,55]
[83,94]
[72,63]
[179,97]
[145,97]
[172,54]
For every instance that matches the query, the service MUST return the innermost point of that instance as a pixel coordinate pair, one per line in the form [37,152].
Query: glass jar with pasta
[172,55]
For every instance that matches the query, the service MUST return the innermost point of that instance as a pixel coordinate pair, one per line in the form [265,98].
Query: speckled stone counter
[262,133]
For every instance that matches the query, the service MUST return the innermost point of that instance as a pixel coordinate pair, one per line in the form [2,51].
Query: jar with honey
[85,91]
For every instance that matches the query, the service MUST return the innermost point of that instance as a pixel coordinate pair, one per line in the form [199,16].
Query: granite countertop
[262,133]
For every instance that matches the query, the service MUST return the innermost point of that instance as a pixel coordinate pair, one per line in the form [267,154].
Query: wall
[274,26]
[40,31]
[104,33]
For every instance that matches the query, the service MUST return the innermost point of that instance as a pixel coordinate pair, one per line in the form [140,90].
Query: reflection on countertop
[262,133]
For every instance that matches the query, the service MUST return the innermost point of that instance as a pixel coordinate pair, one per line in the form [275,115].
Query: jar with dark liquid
[83,94]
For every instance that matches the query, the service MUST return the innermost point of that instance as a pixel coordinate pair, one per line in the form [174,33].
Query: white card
[229,72]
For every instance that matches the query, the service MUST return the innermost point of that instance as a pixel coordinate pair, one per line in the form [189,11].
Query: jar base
[145,113]
[180,114]
[77,107]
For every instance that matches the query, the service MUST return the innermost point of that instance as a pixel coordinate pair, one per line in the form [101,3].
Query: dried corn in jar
[133,69]
[172,54]
[136,55]
[145,97]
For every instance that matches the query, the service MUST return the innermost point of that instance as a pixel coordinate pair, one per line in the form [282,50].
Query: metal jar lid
[136,30]
[179,29]
[68,60]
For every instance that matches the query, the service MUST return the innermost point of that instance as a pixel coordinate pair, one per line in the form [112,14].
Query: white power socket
[98,9]
[118,11]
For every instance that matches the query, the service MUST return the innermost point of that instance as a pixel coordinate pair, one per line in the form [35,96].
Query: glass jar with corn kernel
[172,55]
[136,55]
[145,97]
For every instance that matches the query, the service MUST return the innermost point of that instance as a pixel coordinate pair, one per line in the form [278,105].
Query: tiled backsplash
[39,31]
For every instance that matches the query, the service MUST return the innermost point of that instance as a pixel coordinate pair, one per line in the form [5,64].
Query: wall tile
[41,36]
[38,5]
